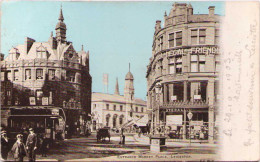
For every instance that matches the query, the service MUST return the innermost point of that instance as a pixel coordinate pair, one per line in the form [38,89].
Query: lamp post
[189,117]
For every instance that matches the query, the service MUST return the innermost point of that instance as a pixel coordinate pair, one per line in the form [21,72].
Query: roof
[97,96]
[129,76]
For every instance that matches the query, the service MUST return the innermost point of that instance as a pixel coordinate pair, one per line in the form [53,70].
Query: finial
[61,15]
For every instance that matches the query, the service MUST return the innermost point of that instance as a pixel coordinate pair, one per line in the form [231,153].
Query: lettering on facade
[195,50]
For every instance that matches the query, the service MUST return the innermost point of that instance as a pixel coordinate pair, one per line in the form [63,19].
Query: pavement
[135,149]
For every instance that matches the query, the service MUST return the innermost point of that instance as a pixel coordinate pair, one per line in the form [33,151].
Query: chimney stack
[158,25]
[211,11]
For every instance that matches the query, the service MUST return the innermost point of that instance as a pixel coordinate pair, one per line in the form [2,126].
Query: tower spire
[82,47]
[117,88]
[129,66]
[61,18]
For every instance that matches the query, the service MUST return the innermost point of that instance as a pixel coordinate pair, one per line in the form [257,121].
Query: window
[70,75]
[142,109]
[197,63]
[51,74]
[114,107]
[16,75]
[216,36]
[121,120]
[178,38]
[28,74]
[107,106]
[175,65]
[198,36]
[121,108]
[136,109]
[171,40]
[160,43]
[39,74]
[2,76]
[39,95]
[9,75]
[178,64]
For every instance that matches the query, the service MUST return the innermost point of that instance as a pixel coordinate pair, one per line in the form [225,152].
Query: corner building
[46,85]
[185,64]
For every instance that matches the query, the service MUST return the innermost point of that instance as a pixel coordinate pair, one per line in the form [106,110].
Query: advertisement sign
[45,101]
[55,111]
[173,98]
[197,97]
[174,119]
[32,100]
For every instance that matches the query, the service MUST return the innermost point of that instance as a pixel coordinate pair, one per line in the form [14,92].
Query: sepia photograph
[129,80]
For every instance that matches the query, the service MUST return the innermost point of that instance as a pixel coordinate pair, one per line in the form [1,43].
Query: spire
[61,15]
[117,88]
[165,13]
[129,66]
[82,47]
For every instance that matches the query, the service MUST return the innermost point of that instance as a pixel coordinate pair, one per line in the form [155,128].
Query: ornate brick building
[182,75]
[45,84]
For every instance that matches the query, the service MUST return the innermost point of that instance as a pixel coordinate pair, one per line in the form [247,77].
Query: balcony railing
[185,104]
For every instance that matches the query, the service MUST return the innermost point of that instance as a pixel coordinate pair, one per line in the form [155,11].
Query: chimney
[158,25]
[28,44]
[211,11]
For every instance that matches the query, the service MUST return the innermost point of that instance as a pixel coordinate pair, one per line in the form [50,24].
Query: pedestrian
[44,146]
[31,144]
[122,137]
[201,136]
[4,145]
[18,150]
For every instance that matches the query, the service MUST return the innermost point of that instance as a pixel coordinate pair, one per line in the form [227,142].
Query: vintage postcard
[129,81]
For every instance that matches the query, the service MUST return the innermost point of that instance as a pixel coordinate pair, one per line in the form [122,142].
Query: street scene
[77,93]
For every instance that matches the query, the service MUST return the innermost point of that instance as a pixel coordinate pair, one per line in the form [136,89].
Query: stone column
[210,90]
[165,89]
[170,91]
[184,125]
[185,91]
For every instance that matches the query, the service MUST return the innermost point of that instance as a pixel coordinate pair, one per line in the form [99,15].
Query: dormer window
[41,52]
[39,74]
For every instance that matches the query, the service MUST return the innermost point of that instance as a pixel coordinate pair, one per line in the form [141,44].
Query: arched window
[114,121]
[107,119]
[121,119]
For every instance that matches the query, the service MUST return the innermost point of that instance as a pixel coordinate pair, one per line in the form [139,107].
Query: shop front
[178,127]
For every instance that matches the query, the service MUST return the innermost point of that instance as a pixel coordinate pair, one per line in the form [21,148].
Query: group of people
[20,149]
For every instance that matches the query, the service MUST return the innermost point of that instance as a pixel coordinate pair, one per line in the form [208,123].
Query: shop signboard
[197,97]
[32,100]
[45,101]
[174,119]
[200,123]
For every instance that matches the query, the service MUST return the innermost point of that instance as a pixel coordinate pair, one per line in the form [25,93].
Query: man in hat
[31,144]
[18,149]
[4,145]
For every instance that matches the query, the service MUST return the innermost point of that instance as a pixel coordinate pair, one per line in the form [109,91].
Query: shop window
[16,75]
[107,106]
[39,74]
[121,108]
[171,40]
[51,74]
[39,95]
[28,74]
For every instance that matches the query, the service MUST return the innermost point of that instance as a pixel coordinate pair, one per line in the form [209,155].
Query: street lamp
[189,117]
[158,90]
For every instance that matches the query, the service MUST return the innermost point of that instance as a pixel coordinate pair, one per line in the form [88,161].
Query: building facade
[115,110]
[182,75]
[46,85]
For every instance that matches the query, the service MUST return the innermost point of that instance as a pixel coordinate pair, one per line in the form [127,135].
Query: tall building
[115,110]
[182,75]
[46,85]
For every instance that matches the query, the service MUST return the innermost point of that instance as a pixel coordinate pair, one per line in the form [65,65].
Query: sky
[115,33]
